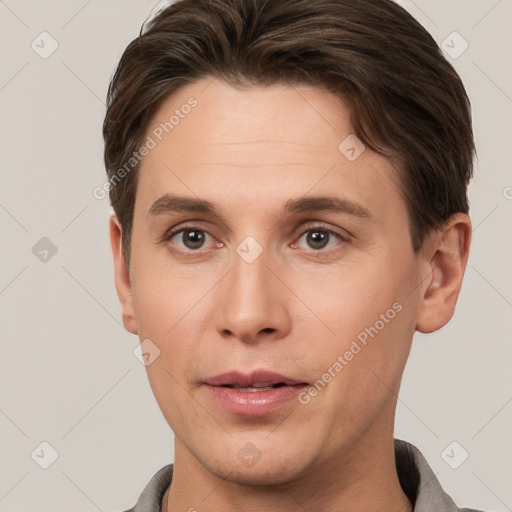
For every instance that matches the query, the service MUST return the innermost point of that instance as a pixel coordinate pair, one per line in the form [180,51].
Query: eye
[320,239]
[192,239]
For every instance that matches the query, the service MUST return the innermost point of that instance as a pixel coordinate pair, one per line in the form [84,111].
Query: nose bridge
[249,278]
[250,286]
[251,302]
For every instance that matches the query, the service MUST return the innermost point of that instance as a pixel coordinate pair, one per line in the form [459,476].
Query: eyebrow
[170,203]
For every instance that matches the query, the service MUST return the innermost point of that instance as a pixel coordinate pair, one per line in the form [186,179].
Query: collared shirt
[416,478]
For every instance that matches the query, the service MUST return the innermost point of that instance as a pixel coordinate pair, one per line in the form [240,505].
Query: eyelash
[320,252]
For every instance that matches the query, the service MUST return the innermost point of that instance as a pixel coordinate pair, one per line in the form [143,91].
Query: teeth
[257,386]
[252,389]
[262,384]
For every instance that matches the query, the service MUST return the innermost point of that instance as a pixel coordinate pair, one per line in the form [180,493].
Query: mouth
[256,380]
[257,386]
[257,393]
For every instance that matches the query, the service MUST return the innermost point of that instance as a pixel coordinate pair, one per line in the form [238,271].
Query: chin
[264,473]
[256,462]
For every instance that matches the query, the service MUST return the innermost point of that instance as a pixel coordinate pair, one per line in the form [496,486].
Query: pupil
[193,239]
[318,239]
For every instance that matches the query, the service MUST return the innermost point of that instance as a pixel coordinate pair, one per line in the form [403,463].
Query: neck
[362,477]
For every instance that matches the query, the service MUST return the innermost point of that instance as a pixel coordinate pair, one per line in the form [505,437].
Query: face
[300,264]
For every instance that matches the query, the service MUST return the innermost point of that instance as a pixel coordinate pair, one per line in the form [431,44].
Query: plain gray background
[68,375]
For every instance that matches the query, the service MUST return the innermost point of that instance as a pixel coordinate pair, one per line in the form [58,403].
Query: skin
[293,310]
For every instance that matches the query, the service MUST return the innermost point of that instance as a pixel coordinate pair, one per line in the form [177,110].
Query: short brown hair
[406,100]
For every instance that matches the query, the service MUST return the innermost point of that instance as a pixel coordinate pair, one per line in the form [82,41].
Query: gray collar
[416,477]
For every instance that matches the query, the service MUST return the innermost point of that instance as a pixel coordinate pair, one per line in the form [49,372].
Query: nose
[253,302]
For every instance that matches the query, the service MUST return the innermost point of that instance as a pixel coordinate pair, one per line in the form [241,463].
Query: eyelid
[312,225]
[322,253]
[174,230]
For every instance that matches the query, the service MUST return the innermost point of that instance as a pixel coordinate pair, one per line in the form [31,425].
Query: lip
[253,403]
[235,377]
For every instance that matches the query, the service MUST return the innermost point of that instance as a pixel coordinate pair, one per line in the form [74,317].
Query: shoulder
[419,482]
[151,497]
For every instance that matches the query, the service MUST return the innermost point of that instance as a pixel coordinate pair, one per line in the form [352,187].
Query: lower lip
[254,403]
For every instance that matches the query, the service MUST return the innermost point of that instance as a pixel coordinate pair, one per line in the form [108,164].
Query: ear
[122,276]
[447,252]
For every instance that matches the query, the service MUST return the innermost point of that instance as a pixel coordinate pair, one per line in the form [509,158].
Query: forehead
[286,140]
[254,118]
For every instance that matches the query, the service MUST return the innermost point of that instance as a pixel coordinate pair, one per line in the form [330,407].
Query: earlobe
[448,252]
[122,276]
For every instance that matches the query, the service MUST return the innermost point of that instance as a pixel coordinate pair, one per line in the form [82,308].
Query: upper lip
[251,378]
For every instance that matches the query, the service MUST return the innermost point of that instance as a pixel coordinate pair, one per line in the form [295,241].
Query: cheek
[371,314]
[168,309]
[163,297]
[173,307]
[350,298]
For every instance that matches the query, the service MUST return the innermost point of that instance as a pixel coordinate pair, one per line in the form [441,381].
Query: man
[284,222]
